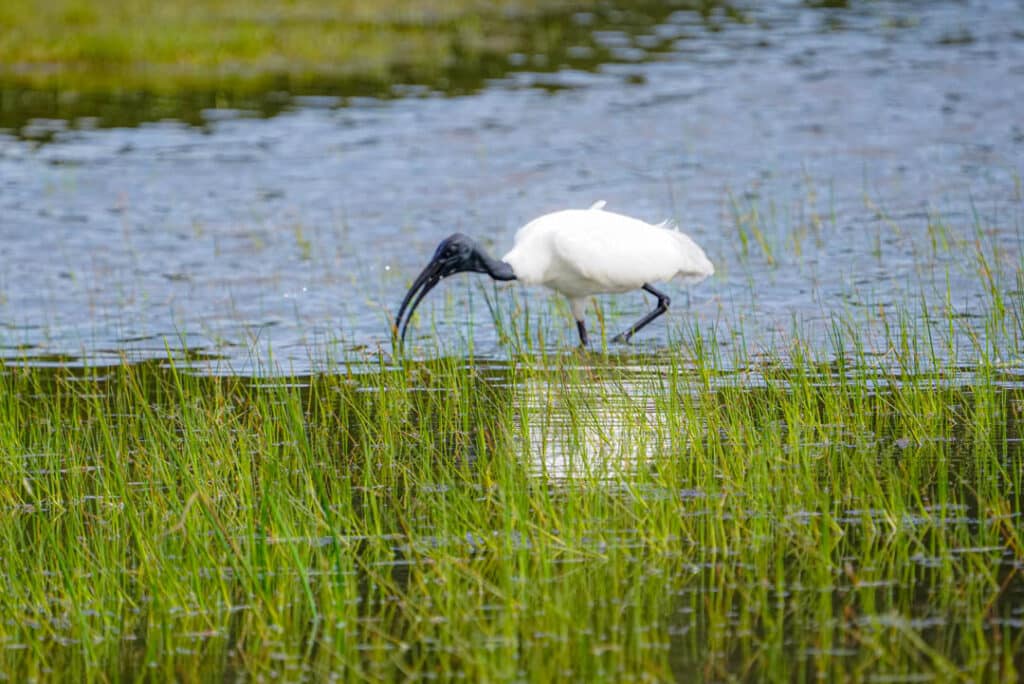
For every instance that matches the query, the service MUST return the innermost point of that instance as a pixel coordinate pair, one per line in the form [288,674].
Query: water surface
[850,159]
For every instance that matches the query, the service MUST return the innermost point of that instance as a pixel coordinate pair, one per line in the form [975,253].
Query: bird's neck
[498,270]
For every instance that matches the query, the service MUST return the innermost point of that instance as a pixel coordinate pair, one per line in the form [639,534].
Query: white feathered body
[582,252]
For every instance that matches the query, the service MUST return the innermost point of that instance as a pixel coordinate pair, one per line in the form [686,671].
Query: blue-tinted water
[828,140]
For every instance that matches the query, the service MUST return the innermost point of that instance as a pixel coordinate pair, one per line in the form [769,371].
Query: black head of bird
[457,253]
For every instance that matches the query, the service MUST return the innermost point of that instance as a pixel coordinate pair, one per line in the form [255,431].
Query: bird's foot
[622,338]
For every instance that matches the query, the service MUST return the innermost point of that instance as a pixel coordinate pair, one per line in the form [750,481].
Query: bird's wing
[549,221]
[620,253]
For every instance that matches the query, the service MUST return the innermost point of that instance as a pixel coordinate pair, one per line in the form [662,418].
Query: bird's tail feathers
[698,266]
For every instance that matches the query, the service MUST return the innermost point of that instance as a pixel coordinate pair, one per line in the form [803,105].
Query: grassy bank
[120,64]
[174,47]
[595,517]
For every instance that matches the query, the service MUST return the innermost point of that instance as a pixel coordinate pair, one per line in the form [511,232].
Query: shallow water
[290,239]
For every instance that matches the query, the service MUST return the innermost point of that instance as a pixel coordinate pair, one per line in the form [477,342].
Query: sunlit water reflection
[611,429]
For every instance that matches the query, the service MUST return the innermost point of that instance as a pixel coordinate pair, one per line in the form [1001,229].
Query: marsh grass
[596,516]
[147,42]
[124,63]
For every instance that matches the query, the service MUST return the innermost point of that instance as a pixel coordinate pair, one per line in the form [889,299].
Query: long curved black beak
[424,283]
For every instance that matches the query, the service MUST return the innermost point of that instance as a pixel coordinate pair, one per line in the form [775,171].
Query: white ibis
[578,253]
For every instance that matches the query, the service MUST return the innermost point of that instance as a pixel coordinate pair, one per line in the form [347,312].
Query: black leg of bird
[663,302]
[582,329]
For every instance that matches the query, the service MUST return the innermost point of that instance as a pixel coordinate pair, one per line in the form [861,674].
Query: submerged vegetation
[587,516]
